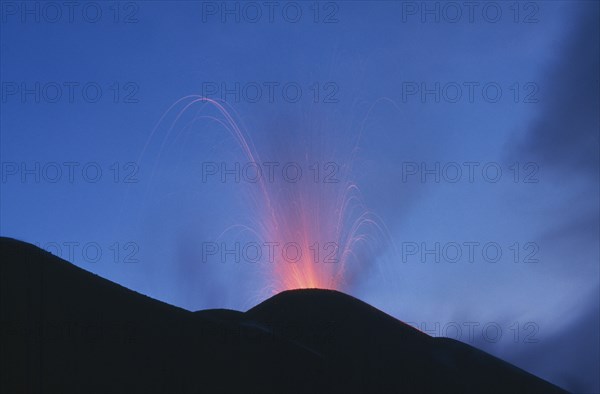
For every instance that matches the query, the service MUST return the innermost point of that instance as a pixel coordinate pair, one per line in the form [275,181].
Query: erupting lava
[323,221]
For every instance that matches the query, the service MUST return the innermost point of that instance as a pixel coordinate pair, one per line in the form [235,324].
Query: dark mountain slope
[66,330]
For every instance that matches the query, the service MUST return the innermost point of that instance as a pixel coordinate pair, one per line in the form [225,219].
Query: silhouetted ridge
[69,331]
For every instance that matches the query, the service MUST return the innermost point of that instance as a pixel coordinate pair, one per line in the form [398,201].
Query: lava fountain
[319,222]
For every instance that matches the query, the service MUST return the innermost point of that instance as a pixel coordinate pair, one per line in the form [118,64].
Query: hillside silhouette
[66,330]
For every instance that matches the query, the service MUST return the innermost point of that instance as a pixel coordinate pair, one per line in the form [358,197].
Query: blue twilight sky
[408,93]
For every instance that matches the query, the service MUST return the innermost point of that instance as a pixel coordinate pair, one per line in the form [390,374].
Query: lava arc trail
[316,227]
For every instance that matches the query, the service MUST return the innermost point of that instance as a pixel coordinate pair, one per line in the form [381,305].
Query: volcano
[66,330]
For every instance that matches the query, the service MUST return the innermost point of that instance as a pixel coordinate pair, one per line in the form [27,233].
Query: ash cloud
[565,134]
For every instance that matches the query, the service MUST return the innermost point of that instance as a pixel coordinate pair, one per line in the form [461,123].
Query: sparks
[317,223]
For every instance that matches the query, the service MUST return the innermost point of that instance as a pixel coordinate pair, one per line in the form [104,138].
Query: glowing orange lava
[316,226]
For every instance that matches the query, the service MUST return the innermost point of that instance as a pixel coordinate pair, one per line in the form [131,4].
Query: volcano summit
[69,331]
